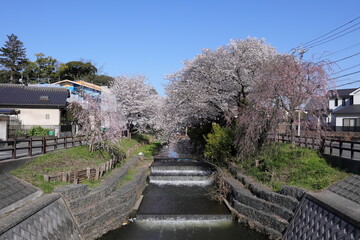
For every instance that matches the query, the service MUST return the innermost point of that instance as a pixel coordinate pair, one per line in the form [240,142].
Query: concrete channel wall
[294,214]
[315,220]
[76,212]
[105,208]
[46,218]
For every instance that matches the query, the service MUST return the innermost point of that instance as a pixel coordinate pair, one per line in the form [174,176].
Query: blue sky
[155,37]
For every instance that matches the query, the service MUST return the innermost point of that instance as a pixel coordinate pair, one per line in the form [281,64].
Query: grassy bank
[283,164]
[77,158]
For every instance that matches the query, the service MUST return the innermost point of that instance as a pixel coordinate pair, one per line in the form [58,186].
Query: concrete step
[244,196]
[271,221]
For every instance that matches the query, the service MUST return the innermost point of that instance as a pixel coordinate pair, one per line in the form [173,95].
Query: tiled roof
[342,92]
[20,95]
[353,109]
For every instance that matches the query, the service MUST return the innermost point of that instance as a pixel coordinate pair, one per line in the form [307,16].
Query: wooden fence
[42,143]
[332,146]
[90,173]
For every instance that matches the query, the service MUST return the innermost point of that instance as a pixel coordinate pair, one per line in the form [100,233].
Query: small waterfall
[178,192]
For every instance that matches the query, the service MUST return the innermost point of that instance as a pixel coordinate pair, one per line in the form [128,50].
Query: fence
[31,146]
[331,146]
[90,173]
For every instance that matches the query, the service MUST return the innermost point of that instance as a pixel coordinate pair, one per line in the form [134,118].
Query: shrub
[219,144]
[38,131]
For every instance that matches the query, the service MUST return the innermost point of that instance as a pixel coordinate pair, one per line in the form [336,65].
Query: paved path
[15,192]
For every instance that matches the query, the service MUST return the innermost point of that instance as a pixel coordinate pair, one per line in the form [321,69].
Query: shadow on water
[176,204]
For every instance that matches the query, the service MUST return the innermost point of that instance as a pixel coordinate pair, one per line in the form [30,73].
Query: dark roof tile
[20,95]
[348,110]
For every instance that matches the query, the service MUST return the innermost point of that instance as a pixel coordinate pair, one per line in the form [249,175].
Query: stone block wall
[314,221]
[47,218]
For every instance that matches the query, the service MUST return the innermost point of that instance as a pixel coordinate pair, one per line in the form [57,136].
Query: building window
[336,102]
[351,100]
[47,116]
[343,102]
[349,124]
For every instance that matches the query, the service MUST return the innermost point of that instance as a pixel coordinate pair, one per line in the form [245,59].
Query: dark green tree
[13,56]
[77,70]
[101,80]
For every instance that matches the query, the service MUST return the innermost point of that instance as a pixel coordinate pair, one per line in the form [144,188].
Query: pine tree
[13,56]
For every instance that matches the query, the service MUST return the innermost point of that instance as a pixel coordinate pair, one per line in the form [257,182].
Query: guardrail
[42,143]
[329,144]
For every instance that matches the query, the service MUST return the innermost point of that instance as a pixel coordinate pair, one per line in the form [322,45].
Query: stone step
[260,191]
[244,196]
[270,221]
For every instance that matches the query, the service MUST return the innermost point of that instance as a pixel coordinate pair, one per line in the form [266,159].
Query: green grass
[77,158]
[71,159]
[283,164]
[149,149]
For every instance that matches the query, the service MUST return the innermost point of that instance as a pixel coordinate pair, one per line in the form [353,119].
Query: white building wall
[339,120]
[357,99]
[3,130]
[39,117]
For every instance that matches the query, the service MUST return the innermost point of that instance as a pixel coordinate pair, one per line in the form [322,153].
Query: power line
[346,69]
[307,43]
[345,75]
[312,46]
[348,83]
[334,53]
[342,59]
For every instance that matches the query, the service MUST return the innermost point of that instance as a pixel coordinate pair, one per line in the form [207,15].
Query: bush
[38,131]
[219,144]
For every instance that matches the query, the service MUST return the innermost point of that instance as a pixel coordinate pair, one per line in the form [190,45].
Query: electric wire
[312,46]
[311,41]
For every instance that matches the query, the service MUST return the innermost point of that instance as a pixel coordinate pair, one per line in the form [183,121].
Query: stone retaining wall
[314,220]
[105,208]
[47,218]
[254,204]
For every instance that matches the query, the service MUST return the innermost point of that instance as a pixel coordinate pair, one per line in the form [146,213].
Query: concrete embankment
[76,211]
[295,214]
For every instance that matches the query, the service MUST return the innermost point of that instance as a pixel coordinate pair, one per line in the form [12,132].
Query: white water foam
[182,182]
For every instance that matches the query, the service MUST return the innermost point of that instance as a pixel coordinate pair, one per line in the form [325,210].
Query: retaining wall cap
[344,208]
[19,215]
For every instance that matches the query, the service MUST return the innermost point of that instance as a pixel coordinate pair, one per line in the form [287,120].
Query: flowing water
[176,205]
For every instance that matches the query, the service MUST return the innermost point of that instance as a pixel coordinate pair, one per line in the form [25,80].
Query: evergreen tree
[13,56]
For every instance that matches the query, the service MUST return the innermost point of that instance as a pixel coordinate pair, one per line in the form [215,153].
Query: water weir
[176,205]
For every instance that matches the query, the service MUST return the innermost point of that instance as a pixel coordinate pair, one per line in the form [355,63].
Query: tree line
[249,87]
[15,67]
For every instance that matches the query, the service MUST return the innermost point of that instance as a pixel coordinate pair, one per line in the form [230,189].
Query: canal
[176,204]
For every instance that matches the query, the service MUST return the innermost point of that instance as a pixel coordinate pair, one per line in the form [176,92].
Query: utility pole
[301,50]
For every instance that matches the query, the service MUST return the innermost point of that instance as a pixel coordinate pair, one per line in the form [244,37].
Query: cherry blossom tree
[101,125]
[138,101]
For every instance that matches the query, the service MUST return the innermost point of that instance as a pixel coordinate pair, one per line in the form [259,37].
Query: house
[80,87]
[344,108]
[29,106]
